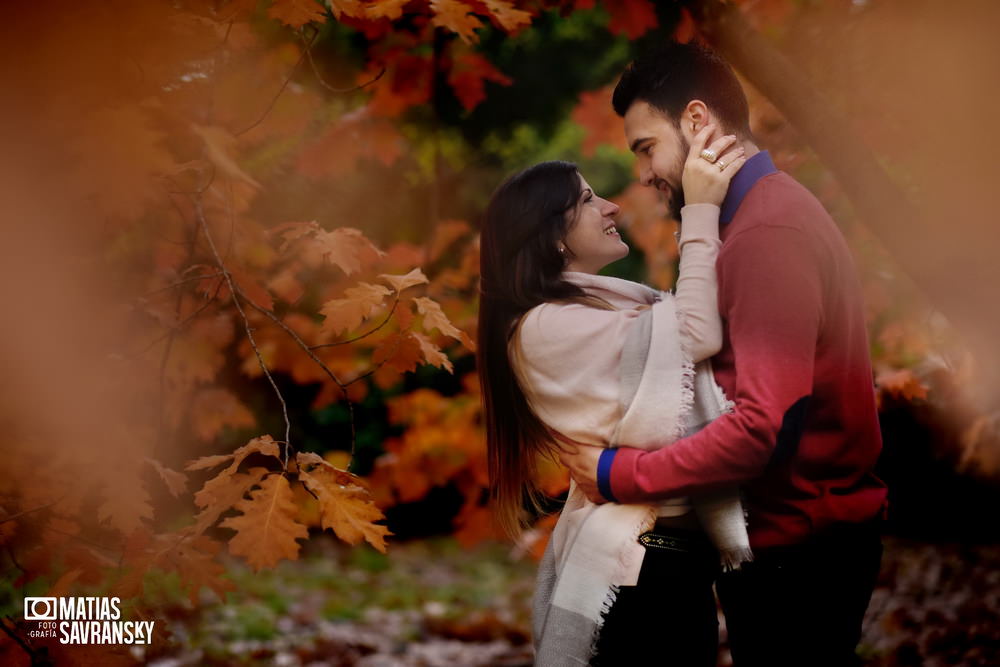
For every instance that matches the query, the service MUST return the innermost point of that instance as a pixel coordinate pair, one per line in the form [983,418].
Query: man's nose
[646,175]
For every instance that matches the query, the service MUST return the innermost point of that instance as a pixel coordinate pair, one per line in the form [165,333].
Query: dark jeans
[803,605]
[669,616]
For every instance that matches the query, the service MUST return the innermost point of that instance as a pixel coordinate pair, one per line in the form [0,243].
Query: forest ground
[432,603]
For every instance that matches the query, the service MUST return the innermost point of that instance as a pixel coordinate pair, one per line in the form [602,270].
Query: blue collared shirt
[756,168]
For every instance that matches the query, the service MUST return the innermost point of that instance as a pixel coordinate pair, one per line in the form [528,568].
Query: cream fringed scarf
[594,549]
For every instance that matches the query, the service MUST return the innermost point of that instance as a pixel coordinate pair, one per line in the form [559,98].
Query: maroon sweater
[804,435]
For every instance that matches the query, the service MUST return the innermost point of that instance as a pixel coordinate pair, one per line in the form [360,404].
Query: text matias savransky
[85,620]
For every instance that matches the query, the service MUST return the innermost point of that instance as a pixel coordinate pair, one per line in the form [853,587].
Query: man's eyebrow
[634,147]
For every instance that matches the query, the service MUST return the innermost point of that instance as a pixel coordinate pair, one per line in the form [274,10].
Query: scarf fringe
[734,559]
[686,398]
[606,606]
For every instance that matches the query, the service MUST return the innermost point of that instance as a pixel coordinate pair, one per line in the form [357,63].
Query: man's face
[661,149]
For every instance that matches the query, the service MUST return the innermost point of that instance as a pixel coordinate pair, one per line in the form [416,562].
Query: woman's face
[592,241]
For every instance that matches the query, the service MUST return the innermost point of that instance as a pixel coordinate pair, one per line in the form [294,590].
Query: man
[803,435]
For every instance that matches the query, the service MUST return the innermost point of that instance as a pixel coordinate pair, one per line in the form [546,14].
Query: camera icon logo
[40,609]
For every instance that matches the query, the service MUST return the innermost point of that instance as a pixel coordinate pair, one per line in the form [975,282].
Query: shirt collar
[756,168]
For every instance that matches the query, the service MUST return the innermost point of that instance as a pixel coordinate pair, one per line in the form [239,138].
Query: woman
[605,361]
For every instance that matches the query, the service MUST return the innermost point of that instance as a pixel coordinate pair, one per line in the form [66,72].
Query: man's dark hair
[673,75]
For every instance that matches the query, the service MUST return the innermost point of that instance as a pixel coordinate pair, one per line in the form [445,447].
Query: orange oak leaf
[346,509]
[432,353]
[400,283]
[290,232]
[216,408]
[176,481]
[902,383]
[265,444]
[358,304]
[434,318]
[446,233]
[296,13]
[251,289]
[266,530]
[347,248]
[468,78]
[400,351]
[632,18]
[196,567]
[220,146]
[457,17]
[507,15]
[385,9]
[223,492]
[354,136]
[62,585]
[120,160]
[352,8]
[126,503]
[404,316]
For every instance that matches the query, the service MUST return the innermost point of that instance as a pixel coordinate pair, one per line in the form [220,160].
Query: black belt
[682,541]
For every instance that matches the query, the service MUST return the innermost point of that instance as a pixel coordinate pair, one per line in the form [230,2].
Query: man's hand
[581,460]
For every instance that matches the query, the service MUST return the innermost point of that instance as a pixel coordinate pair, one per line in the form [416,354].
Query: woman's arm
[705,185]
[696,293]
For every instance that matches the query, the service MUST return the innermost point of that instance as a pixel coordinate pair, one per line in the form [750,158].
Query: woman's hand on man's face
[706,180]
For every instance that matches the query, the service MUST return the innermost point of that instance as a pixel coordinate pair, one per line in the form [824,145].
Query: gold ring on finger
[709,155]
[722,165]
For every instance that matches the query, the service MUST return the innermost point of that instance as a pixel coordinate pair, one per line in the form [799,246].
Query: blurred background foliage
[399,119]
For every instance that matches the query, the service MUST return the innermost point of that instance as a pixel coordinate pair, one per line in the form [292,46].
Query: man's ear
[694,117]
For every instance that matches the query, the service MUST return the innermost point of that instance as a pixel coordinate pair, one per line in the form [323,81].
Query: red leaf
[632,18]
[468,76]
[686,28]
[596,115]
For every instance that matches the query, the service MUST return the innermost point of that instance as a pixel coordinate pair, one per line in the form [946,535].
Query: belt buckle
[652,540]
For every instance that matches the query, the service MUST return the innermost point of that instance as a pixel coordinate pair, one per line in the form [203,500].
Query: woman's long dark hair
[520,267]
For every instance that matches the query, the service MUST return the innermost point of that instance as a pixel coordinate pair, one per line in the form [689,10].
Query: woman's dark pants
[669,617]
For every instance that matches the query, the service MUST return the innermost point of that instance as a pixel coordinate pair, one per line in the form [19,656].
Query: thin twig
[326,369]
[81,539]
[322,81]
[17,638]
[235,292]
[364,335]
[34,509]
[180,282]
[172,330]
[284,85]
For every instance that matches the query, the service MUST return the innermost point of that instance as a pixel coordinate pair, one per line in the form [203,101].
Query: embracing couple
[722,434]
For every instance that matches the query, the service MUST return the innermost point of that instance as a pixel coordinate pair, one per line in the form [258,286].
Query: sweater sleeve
[696,293]
[771,293]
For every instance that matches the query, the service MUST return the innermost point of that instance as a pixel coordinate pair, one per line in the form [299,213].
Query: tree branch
[326,369]
[322,81]
[284,85]
[364,335]
[235,293]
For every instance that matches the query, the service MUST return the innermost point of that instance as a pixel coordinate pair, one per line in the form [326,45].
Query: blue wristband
[604,473]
